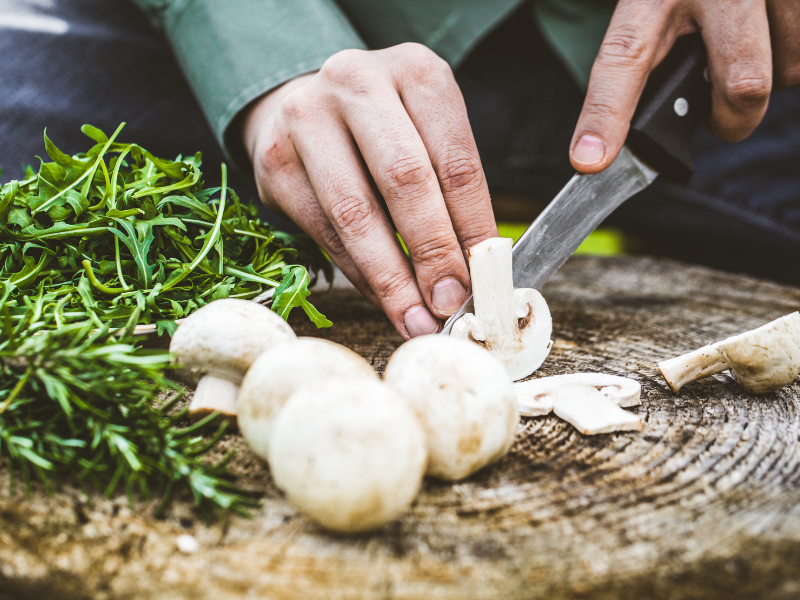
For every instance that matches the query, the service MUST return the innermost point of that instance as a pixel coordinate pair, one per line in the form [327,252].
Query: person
[358,119]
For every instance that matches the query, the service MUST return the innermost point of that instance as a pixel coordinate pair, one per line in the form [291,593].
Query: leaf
[293,292]
[138,249]
[59,157]
[94,133]
[166,325]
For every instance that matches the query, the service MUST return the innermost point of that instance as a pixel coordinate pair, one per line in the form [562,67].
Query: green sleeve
[575,30]
[232,51]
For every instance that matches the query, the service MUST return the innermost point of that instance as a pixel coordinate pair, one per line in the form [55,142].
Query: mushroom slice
[762,360]
[534,397]
[217,344]
[513,324]
[590,412]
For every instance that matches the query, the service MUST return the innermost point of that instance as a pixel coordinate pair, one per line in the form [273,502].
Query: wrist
[260,115]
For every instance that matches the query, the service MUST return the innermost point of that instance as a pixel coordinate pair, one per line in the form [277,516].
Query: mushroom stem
[493,293]
[214,394]
[702,362]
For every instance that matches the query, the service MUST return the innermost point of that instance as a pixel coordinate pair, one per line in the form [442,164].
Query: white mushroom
[215,346]
[462,396]
[348,453]
[590,412]
[513,324]
[281,371]
[762,360]
[535,396]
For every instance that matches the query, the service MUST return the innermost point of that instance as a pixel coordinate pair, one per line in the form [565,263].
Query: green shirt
[232,51]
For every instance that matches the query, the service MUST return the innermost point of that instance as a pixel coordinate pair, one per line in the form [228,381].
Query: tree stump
[704,503]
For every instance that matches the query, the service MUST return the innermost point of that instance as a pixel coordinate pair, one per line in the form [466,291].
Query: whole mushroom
[762,360]
[513,324]
[280,371]
[348,453]
[463,398]
[217,344]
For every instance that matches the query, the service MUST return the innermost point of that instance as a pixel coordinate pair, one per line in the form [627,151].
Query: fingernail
[448,296]
[590,149]
[419,321]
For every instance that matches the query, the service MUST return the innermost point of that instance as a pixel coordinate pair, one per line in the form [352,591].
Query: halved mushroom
[535,396]
[217,344]
[513,324]
[280,371]
[762,360]
[462,396]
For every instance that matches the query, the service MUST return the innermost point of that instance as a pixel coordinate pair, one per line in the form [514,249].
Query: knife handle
[676,98]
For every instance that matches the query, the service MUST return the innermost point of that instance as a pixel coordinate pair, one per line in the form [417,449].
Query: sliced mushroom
[513,324]
[590,412]
[217,344]
[462,396]
[762,360]
[535,396]
[280,371]
[348,453]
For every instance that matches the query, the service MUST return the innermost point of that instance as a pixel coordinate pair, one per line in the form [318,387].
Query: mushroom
[348,453]
[215,346]
[513,324]
[762,360]
[590,412]
[281,371]
[462,396]
[535,396]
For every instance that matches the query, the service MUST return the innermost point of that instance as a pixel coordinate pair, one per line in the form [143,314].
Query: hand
[373,126]
[741,65]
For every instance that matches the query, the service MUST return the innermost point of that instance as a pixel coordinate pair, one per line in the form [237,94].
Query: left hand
[742,64]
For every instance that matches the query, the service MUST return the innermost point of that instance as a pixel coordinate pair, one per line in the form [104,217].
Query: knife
[677,96]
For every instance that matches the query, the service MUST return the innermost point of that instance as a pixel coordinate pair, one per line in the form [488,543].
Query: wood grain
[704,503]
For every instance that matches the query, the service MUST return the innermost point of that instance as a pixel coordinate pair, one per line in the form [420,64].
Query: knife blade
[675,99]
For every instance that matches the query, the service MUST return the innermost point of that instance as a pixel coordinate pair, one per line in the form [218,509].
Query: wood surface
[704,503]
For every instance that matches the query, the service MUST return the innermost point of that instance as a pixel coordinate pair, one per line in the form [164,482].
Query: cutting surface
[704,503]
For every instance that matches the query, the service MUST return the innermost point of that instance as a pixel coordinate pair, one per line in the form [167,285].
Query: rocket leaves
[116,220]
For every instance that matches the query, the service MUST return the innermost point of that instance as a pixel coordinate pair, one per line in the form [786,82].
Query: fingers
[436,107]
[737,39]
[345,196]
[784,25]
[399,162]
[638,37]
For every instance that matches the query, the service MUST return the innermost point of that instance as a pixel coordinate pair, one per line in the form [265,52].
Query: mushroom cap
[348,453]
[224,337]
[534,396]
[280,371]
[463,397]
[535,328]
[767,358]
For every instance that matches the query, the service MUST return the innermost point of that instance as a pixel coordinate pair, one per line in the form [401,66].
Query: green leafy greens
[74,401]
[116,235]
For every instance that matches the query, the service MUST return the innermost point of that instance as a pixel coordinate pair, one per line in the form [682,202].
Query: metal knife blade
[573,214]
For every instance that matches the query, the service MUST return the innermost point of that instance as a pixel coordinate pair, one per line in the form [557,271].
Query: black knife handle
[676,98]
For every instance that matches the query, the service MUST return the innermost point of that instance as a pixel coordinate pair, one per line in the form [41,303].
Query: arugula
[93,234]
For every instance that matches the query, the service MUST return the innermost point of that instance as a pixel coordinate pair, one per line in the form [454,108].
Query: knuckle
[602,111]
[389,284]
[346,69]
[423,65]
[352,213]
[273,159]
[299,105]
[460,173]
[749,90]
[433,253]
[407,173]
[625,46]
[331,242]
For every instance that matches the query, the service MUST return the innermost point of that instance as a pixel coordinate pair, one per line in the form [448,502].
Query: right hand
[371,126]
